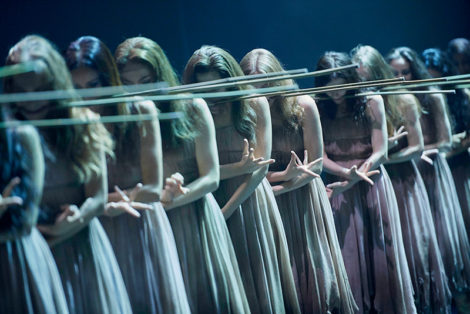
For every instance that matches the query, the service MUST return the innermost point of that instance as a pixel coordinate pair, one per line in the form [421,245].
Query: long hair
[326,105]
[149,53]
[82,144]
[417,68]
[263,61]
[211,58]
[459,103]
[90,52]
[378,69]
[460,46]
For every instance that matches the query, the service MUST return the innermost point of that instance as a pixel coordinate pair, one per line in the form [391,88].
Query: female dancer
[432,294]
[29,278]
[447,215]
[366,213]
[438,65]
[145,248]
[75,186]
[208,263]
[243,130]
[315,255]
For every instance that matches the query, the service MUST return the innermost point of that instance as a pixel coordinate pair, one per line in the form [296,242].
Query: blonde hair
[263,61]
[378,69]
[82,144]
[147,51]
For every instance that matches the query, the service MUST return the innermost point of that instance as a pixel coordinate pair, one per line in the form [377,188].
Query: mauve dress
[210,270]
[317,264]
[145,247]
[368,223]
[88,268]
[29,280]
[432,294]
[460,163]
[447,214]
[258,236]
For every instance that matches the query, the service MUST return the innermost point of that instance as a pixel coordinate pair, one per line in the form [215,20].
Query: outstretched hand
[173,188]
[363,173]
[127,203]
[249,163]
[5,199]
[397,135]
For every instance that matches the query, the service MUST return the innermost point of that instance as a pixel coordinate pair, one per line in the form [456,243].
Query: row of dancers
[342,204]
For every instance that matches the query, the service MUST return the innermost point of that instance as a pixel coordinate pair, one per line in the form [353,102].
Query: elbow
[213,180]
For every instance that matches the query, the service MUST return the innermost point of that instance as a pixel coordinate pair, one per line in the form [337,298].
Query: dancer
[365,213]
[143,242]
[447,215]
[317,263]
[243,130]
[29,278]
[432,294]
[439,64]
[207,259]
[74,186]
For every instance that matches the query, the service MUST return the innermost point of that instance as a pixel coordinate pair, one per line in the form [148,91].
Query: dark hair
[90,52]
[459,103]
[459,46]
[328,107]
[211,58]
[17,219]
[417,68]
[438,60]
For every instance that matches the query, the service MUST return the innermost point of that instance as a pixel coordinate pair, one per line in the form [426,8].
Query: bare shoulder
[308,104]
[375,107]
[408,101]
[200,107]
[28,137]
[146,107]
[260,105]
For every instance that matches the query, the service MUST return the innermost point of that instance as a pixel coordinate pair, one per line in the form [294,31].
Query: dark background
[297,31]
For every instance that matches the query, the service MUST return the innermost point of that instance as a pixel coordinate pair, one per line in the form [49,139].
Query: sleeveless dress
[460,163]
[145,247]
[432,294]
[368,224]
[258,236]
[29,280]
[319,272]
[90,274]
[447,215]
[210,270]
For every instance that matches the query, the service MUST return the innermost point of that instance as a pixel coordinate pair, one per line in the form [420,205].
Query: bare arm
[409,110]
[442,124]
[313,143]
[262,149]
[376,114]
[207,160]
[96,197]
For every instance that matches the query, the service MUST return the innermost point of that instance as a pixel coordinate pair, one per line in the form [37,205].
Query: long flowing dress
[145,247]
[447,215]
[367,223]
[210,270]
[29,280]
[258,236]
[90,274]
[460,163]
[320,276]
[432,294]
